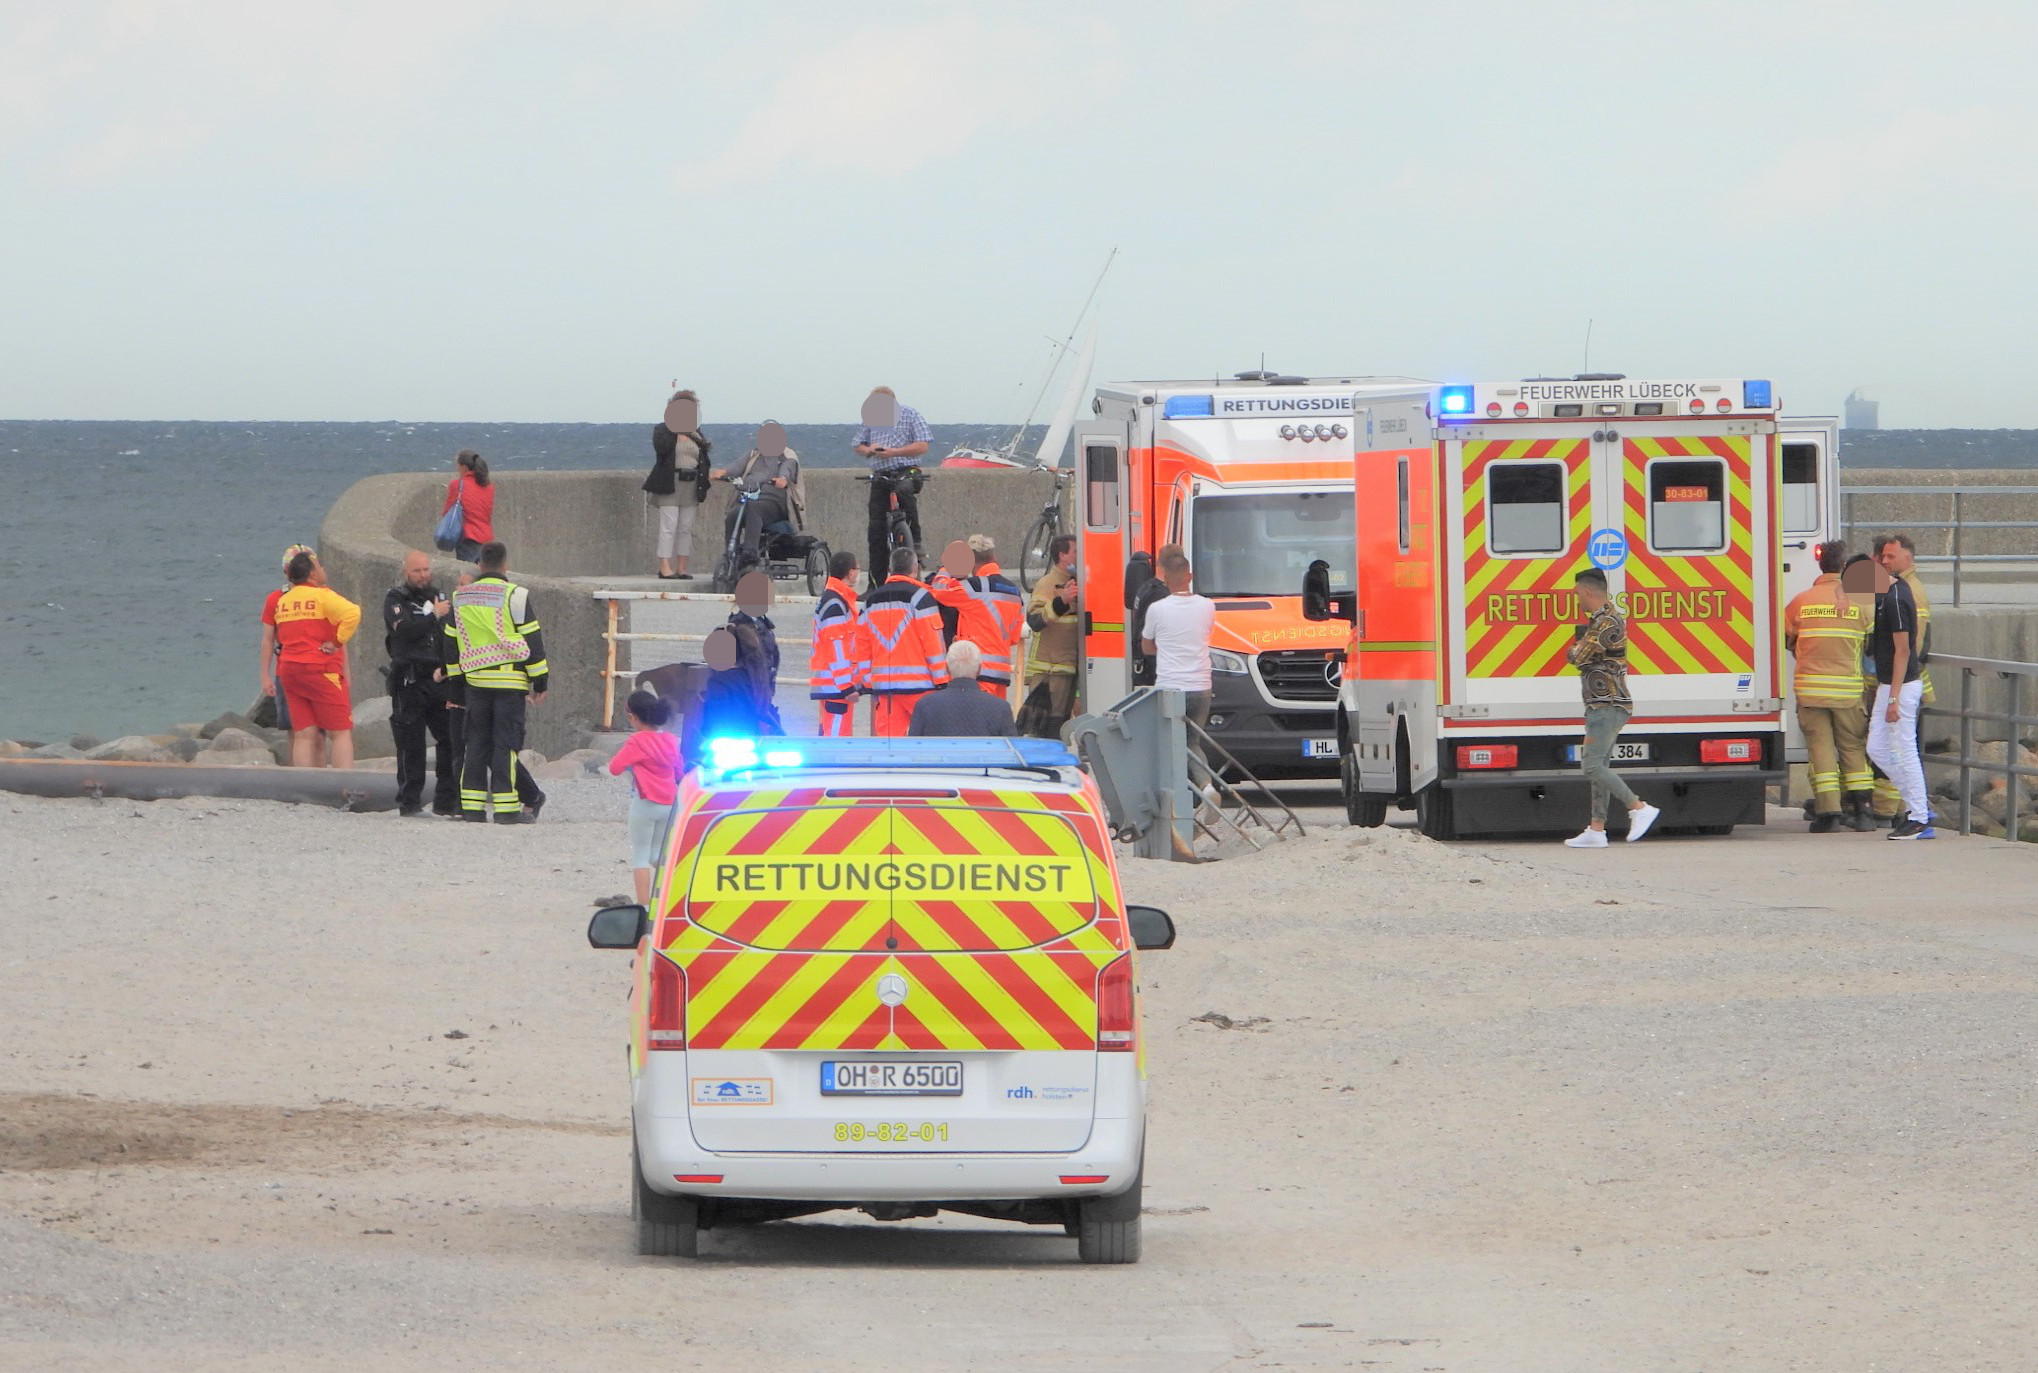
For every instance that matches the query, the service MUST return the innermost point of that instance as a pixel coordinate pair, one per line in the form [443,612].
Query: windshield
[1261,544]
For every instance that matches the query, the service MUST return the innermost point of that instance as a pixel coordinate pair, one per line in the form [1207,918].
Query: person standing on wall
[1824,629]
[1899,555]
[501,662]
[892,439]
[678,482]
[840,659]
[1057,640]
[990,611]
[1600,653]
[1893,720]
[1176,632]
[902,637]
[313,625]
[414,636]
[474,492]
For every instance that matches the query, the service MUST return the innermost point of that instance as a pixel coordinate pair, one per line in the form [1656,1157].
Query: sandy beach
[287,1088]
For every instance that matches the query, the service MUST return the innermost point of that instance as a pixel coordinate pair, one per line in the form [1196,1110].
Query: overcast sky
[456,210]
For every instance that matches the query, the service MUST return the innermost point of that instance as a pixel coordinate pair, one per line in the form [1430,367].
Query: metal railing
[1957,553]
[613,634]
[1975,675]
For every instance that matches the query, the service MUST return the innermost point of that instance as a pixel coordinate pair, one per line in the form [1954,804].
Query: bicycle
[898,528]
[783,556]
[1034,557]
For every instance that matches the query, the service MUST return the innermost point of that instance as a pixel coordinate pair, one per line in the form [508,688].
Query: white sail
[1049,453]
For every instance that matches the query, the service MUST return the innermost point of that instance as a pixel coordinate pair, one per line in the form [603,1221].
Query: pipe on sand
[358,791]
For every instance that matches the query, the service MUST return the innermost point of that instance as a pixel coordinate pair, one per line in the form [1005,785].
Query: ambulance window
[1525,507]
[1100,486]
[1801,489]
[1688,507]
[1401,483]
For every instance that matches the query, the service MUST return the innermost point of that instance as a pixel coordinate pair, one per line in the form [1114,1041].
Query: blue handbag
[453,524]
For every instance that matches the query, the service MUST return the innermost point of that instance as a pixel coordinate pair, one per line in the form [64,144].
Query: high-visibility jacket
[990,613]
[902,638]
[500,645]
[1923,647]
[1825,629]
[841,660]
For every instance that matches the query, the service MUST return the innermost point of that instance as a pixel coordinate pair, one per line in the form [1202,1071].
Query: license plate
[1319,748]
[879,1077]
[1622,753]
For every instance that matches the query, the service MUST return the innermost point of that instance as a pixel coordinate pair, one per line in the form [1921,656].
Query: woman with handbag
[467,519]
[678,482]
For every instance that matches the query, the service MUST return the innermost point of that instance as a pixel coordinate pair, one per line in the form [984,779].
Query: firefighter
[501,660]
[1825,628]
[1898,554]
[904,657]
[840,663]
[990,612]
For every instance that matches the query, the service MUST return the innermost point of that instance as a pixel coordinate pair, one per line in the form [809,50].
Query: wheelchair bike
[786,555]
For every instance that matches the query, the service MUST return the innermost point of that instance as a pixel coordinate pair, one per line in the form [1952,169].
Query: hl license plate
[879,1078]
[1622,753]
[1319,748]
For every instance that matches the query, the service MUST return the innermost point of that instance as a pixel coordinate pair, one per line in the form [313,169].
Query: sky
[459,210]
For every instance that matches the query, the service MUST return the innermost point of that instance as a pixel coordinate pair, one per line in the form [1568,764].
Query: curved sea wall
[572,533]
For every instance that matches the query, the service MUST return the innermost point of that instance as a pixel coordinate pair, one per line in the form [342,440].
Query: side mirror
[1317,601]
[1151,927]
[618,927]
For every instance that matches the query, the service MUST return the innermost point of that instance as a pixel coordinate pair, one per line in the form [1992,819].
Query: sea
[134,555]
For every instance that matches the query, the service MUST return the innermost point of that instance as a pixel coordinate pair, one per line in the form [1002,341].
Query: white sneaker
[1640,820]
[1587,839]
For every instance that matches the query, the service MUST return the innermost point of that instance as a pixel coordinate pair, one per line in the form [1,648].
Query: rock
[237,748]
[530,758]
[373,739]
[235,740]
[184,750]
[131,748]
[10,749]
[279,749]
[603,743]
[59,751]
[85,743]
[1987,828]
[211,729]
[590,761]
[187,731]
[560,771]
[370,710]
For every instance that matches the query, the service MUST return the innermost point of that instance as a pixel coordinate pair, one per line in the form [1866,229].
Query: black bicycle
[898,527]
[1035,557]
[785,554]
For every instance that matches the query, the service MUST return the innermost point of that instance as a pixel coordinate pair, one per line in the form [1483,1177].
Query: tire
[667,1227]
[817,568]
[1033,559]
[1107,1228]
[1365,809]
[725,573]
[1433,812]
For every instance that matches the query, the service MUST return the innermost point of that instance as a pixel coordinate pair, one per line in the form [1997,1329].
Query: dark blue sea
[134,555]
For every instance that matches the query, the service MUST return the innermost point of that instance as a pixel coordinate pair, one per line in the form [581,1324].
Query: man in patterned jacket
[1600,654]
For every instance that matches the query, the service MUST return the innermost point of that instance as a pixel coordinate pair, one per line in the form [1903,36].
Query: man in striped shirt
[892,439]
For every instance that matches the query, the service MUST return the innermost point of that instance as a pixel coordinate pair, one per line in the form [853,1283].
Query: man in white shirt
[1177,633]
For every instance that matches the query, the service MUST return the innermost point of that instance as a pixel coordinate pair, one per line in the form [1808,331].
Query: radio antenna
[1588,347]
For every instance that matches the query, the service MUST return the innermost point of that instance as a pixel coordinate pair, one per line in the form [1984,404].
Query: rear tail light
[1488,755]
[1697,405]
[665,1016]
[699,1179]
[1083,1179]
[1117,1023]
[1723,405]
[1729,751]
[1493,409]
[1521,409]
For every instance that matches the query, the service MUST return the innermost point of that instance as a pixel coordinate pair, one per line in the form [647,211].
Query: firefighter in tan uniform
[1824,628]
[1897,553]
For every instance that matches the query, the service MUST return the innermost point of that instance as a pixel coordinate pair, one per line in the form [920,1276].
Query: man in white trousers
[1893,720]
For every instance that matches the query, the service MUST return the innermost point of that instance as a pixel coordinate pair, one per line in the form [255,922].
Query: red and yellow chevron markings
[1689,612]
[1512,627]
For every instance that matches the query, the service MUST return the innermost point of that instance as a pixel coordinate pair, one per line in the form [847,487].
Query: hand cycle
[807,558]
[898,528]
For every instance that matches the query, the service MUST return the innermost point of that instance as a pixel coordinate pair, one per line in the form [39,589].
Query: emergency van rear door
[896,970]
[1808,514]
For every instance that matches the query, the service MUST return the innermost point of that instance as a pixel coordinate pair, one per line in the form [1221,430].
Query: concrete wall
[570,533]
[1873,515]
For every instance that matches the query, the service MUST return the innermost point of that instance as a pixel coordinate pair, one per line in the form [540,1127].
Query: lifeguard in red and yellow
[313,624]
[990,612]
[839,667]
[904,655]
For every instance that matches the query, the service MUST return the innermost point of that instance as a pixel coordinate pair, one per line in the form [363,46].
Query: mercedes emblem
[892,989]
[1333,672]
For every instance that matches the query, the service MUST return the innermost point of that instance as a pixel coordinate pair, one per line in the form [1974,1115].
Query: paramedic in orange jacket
[990,612]
[839,668]
[904,656]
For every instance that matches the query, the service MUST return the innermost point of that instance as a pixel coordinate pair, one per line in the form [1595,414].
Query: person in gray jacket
[962,709]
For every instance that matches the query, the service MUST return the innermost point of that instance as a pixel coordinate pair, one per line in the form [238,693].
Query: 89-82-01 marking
[891,1132]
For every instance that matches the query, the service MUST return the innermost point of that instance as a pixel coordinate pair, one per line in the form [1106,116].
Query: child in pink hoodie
[651,756]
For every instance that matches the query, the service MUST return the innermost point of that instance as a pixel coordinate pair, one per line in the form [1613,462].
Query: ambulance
[1253,477]
[1474,507]
[895,975]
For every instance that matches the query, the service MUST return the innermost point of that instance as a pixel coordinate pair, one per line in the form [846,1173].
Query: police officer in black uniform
[414,618]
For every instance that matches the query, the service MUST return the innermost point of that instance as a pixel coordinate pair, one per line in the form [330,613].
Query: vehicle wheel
[1433,812]
[817,569]
[725,574]
[1107,1228]
[1033,559]
[667,1227]
[1073,1227]
[1367,809]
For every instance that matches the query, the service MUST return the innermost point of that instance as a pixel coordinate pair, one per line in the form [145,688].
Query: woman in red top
[651,757]
[476,495]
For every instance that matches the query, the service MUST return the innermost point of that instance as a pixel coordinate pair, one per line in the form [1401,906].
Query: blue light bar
[1188,408]
[1454,400]
[1756,395]
[747,755]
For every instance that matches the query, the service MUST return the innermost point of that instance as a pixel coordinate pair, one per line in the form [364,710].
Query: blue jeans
[1603,725]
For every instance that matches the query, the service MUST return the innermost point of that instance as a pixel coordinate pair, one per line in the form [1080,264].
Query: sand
[285,1088]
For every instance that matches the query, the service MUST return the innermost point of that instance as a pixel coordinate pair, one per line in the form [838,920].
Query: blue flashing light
[1188,408]
[1455,400]
[1756,395]
[783,758]
[727,755]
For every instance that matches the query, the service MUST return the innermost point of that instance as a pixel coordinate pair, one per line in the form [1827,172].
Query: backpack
[452,525]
